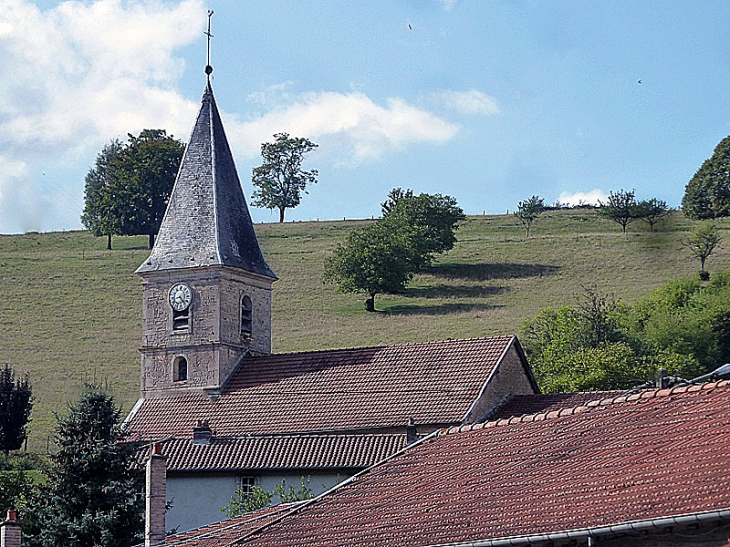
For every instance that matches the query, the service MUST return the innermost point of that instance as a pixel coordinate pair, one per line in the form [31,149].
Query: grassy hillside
[71,310]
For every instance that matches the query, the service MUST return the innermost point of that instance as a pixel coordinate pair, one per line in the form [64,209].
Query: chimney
[156,487]
[202,433]
[10,530]
[411,433]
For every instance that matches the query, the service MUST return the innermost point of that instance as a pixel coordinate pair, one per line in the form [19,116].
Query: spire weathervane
[208,68]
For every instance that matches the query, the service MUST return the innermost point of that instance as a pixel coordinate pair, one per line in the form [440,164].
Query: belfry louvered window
[246,316]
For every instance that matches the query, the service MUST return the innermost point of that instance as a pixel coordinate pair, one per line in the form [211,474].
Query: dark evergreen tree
[707,194]
[93,497]
[16,402]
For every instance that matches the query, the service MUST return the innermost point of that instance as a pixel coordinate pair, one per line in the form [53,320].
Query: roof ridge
[383,346]
[589,406]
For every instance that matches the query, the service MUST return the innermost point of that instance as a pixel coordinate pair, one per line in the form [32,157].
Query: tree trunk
[281,213]
[370,303]
[151,241]
[108,242]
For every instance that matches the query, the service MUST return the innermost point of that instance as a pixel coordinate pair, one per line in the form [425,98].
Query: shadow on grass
[439,309]
[483,272]
[454,291]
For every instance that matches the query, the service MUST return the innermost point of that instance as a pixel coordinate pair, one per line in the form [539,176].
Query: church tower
[206,285]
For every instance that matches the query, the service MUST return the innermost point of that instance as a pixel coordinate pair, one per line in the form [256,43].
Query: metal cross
[208,68]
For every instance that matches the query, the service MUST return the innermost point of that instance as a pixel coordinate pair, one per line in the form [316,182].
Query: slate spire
[207,222]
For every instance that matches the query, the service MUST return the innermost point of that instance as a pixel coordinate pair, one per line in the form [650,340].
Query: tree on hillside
[702,240]
[652,211]
[433,217]
[621,208]
[280,179]
[707,194]
[378,258]
[128,188]
[100,215]
[16,402]
[92,495]
[529,210]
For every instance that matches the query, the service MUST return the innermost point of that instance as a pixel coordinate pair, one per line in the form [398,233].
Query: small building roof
[653,459]
[362,389]
[207,222]
[281,452]
[520,405]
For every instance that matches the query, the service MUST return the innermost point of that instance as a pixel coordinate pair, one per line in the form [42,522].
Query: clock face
[180,297]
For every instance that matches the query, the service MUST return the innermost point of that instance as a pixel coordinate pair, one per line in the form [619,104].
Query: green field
[71,310]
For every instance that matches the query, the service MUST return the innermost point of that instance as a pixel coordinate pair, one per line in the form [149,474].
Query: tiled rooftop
[519,405]
[630,458]
[339,390]
[223,533]
[298,452]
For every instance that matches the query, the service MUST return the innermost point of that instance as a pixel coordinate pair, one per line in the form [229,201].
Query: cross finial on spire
[208,68]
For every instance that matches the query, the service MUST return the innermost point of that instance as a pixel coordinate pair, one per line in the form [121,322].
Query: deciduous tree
[16,403]
[529,210]
[652,211]
[707,194]
[621,208]
[702,240]
[128,188]
[280,179]
[378,258]
[433,217]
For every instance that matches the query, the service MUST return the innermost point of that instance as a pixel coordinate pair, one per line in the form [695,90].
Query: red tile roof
[339,390]
[222,533]
[281,452]
[646,456]
[519,405]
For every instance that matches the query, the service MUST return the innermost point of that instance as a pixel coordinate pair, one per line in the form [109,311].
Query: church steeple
[206,284]
[207,221]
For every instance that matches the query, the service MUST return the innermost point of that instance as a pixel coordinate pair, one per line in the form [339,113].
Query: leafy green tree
[378,258]
[16,403]
[652,211]
[707,194]
[529,210]
[145,173]
[433,218]
[92,495]
[248,499]
[100,215]
[128,188]
[14,483]
[702,240]
[620,208]
[280,179]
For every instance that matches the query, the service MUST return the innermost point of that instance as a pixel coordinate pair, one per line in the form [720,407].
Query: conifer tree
[16,402]
[93,496]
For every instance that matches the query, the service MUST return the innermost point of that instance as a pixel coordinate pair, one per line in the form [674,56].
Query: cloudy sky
[487,101]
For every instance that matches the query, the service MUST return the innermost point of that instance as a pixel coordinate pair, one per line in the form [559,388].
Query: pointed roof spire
[207,221]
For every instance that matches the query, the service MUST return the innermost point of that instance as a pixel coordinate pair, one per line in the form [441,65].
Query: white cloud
[468,102]
[351,127]
[448,5]
[77,74]
[593,197]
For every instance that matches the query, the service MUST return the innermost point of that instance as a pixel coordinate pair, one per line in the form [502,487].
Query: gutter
[599,531]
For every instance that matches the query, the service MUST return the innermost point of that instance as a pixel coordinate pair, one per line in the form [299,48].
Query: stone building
[230,414]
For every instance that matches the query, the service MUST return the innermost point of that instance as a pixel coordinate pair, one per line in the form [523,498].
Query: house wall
[197,499]
[509,378]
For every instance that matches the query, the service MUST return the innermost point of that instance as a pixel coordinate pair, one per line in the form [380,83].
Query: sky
[488,101]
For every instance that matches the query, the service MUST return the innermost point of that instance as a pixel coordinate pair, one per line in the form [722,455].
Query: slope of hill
[71,310]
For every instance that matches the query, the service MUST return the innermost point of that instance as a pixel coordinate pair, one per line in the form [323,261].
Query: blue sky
[487,101]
